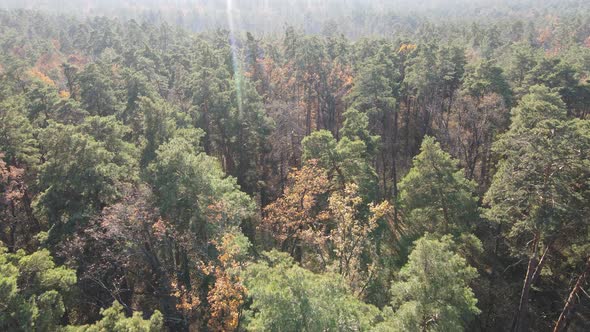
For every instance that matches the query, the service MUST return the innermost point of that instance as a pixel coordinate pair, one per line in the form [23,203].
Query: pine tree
[435,196]
[33,291]
[432,292]
[286,297]
[540,193]
[85,169]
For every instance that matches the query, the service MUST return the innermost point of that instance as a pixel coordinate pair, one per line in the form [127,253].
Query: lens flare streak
[234,54]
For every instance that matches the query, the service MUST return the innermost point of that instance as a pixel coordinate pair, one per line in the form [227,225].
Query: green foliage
[421,76]
[42,100]
[97,91]
[555,74]
[191,188]
[33,291]
[538,106]
[114,320]
[433,68]
[210,89]
[375,85]
[541,185]
[286,297]
[347,160]
[231,113]
[158,126]
[86,104]
[321,146]
[486,77]
[435,196]
[85,169]
[249,141]
[432,292]
[522,60]
[138,86]
[17,141]
[355,128]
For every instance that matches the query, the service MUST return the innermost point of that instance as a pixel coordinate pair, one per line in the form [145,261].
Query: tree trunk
[394,154]
[493,278]
[520,318]
[163,291]
[308,113]
[542,261]
[564,316]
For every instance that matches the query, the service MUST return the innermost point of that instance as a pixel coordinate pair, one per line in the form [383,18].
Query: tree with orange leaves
[299,217]
[350,238]
[227,296]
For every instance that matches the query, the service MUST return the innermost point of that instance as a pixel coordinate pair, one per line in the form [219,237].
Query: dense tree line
[435,179]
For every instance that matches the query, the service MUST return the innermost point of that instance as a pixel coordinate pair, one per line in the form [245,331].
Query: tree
[190,185]
[210,90]
[480,114]
[286,297]
[350,238]
[200,203]
[41,99]
[474,125]
[137,86]
[540,193]
[561,324]
[253,67]
[114,320]
[230,112]
[123,255]
[249,139]
[432,292]
[85,169]
[297,219]
[307,60]
[17,140]
[486,77]
[33,291]
[375,93]
[19,158]
[97,91]
[18,226]
[228,295]
[433,75]
[522,60]
[557,74]
[158,126]
[70,73]
[374,88]
[435,196]
[346,160]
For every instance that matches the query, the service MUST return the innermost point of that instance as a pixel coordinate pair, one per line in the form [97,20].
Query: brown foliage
[299,216]
[351,236]
[225,299]
[17,224]
[227,295]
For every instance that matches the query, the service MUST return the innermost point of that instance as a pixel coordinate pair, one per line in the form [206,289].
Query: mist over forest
[355,18]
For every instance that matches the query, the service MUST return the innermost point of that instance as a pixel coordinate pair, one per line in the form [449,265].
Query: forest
[204,165]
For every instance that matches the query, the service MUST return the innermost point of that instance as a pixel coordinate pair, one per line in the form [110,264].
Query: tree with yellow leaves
[350,238]
[226,297]
[298,218]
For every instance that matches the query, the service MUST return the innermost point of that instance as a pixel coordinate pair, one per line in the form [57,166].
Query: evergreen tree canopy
[432,293]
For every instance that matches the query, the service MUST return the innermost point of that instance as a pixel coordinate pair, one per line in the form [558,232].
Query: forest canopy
[271,165]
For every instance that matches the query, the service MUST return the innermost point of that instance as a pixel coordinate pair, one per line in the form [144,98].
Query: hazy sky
[267,15]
